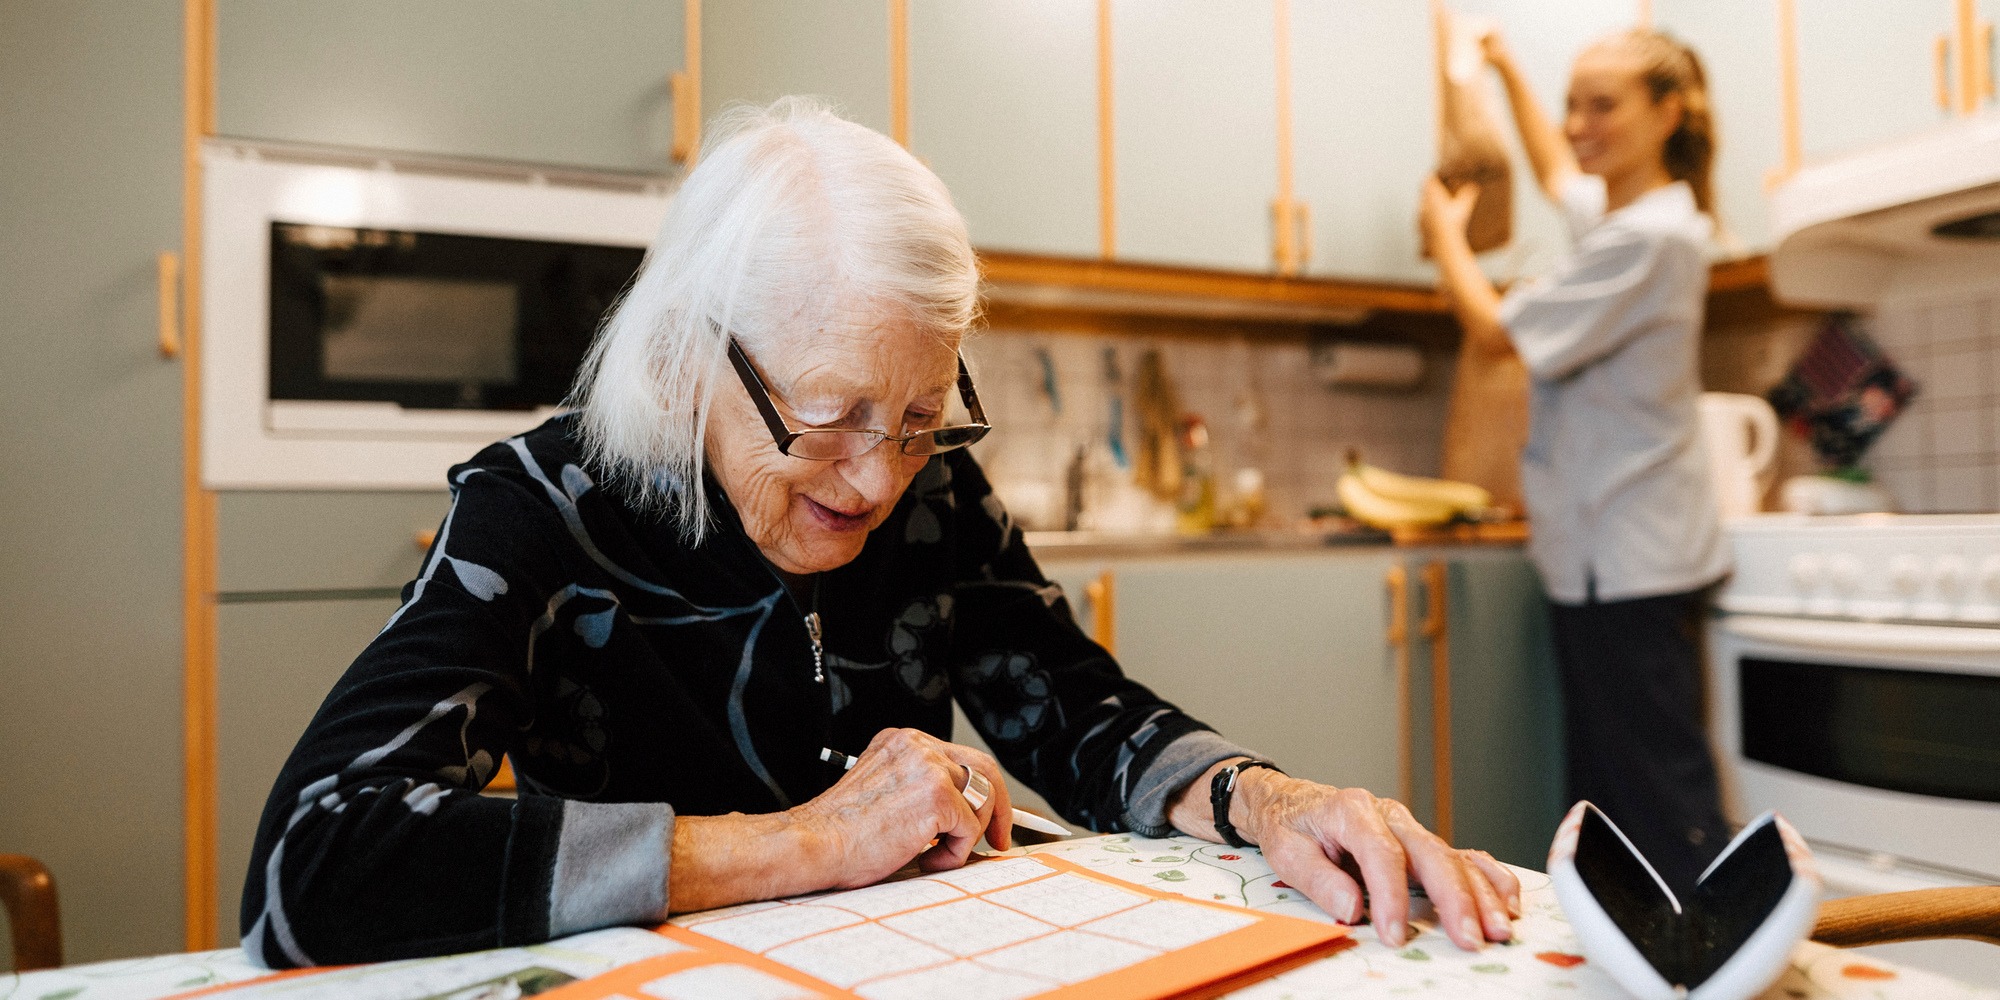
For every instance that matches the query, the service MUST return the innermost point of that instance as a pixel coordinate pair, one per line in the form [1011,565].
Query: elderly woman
[757,537]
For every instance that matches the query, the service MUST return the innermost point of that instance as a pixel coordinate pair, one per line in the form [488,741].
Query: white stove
[1855,688]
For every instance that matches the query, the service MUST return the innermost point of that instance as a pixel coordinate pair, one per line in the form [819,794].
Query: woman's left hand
[1316,836]
[1444,212]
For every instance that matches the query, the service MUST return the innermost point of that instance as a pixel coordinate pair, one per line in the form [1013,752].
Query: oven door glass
[1919,731]
[434,320]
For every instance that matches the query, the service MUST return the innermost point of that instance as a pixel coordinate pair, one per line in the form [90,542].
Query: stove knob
[1953,575]
[1989,577]
[1846,573]
[1808,572]
[1906,575]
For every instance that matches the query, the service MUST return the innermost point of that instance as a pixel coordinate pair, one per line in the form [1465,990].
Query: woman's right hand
[905,792]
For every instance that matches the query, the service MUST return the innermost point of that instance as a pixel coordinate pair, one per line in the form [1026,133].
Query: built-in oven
[430,320]
[1854,669]
[369,322]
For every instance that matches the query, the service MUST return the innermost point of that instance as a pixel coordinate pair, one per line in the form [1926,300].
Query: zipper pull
[819,651]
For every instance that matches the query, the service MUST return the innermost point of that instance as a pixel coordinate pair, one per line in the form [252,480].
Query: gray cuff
[611,865]
[1179,762]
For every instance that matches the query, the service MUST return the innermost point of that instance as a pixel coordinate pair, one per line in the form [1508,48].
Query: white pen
[975,796]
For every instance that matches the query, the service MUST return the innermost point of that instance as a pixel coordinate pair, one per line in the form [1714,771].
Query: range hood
[1902,219]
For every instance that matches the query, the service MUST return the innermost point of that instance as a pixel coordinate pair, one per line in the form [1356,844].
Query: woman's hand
[905,792]
[1444,213]
[1317,836]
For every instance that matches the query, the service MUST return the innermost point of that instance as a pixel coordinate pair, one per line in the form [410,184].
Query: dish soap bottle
[1195,509]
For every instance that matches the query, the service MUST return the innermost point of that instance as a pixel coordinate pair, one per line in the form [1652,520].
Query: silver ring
[977,789]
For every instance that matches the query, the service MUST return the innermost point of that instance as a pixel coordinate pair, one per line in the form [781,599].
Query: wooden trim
[1791,146]
[1437,629]
[1107,168]
[1397,580]
[686,86]
[899,72]
[197,504]
[1103,596]
[1968,63]
[1160,279]
[1284,245]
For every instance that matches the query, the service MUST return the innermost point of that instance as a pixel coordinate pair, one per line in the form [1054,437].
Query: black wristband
[1221,789]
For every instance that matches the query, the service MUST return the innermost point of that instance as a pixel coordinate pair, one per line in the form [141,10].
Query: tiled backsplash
[1307,426]
[1942,455]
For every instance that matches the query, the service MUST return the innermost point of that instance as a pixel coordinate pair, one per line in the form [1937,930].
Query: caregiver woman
[757,537]
[1626,534]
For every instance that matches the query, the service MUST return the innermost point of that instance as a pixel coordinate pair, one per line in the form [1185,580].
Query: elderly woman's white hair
[794,221]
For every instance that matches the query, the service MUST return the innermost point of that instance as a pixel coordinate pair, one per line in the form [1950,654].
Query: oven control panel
[1930,568]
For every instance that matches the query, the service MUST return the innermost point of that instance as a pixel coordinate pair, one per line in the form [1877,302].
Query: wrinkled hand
[903,794]
[1317,836]
[1444,212]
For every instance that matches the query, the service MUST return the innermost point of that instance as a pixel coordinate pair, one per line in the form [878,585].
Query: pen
[973,796]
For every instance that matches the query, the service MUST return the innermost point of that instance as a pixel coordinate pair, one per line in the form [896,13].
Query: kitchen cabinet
[275,663]
[1003,106]
[583,83]
[90,555]
[1364,134]
[1738,46]
[1194,132]
[760,50]
[310,543]
[1867,71]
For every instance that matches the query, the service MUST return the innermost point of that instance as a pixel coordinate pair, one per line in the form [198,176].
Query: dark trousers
[1638,748]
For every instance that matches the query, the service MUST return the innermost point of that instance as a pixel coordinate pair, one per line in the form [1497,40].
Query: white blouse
[1614,475]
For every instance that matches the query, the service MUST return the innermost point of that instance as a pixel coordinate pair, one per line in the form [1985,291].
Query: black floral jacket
[630,678]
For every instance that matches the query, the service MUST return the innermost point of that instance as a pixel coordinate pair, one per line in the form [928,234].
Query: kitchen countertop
[1102,544]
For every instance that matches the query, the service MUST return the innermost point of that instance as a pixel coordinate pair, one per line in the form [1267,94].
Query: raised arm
[1548,150]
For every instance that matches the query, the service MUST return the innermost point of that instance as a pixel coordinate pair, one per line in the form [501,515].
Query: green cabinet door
[275,662]
[582,83]
[759,50]
[1003,106]
[1284,655]
[1507,733]
[1738,46]
[90,555]
[1195,131]
[1364,134]
[1867,70]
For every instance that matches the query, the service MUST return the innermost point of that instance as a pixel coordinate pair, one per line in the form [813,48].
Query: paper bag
[1470,145]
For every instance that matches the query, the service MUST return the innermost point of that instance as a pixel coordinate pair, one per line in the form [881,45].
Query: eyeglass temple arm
[761,396]
[967,393]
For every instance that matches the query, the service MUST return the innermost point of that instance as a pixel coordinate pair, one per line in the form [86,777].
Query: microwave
[367,323]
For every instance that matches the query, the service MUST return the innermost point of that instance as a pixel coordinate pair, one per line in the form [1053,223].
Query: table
[1541,961]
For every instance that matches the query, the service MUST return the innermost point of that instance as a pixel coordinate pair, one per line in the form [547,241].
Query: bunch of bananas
[1389,500]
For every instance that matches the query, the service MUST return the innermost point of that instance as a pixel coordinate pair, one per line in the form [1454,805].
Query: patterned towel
[1842,393]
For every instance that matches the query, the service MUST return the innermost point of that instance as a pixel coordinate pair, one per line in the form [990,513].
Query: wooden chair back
[28,893]
[1969,912]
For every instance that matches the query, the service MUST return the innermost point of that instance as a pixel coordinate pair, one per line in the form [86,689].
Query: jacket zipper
[819,651]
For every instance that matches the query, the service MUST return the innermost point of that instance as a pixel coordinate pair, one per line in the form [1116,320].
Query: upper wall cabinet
[1194,131]
[1738,46]
[583,83]
[1003,106]
[1364,134]
[1869,70]
[761,50]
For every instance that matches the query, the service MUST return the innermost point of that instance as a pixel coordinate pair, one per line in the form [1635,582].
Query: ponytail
[1669,67]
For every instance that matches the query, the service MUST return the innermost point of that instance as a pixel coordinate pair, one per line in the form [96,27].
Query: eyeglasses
[832,444]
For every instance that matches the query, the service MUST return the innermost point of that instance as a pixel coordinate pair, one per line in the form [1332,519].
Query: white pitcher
[1740,433]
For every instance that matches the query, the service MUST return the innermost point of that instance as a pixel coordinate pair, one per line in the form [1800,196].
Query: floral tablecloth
[1541,961]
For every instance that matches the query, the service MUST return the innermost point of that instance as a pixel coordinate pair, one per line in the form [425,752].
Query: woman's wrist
[740,858]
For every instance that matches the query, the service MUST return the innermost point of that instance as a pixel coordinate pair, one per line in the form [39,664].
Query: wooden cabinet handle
[1398,581]
[1102,593]
[1437,629]
[424,539]
[686,128]
[169,269]
[1942,72]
